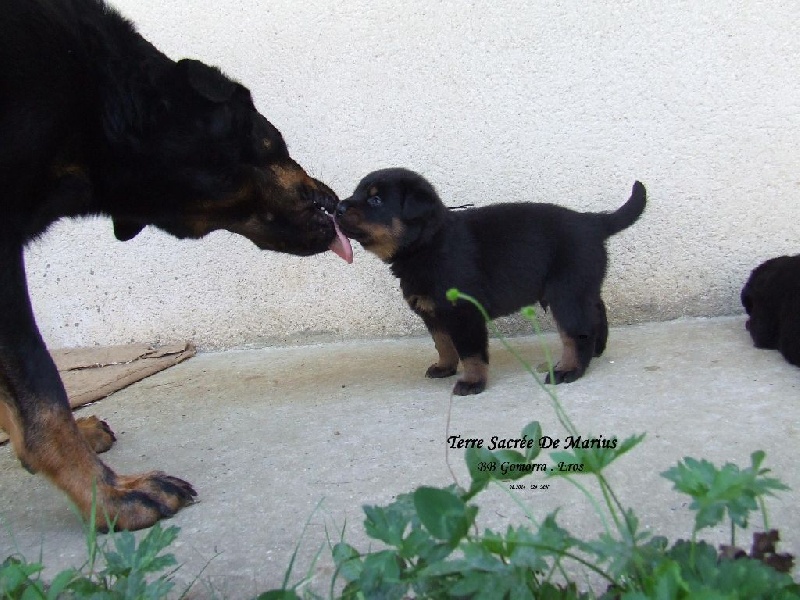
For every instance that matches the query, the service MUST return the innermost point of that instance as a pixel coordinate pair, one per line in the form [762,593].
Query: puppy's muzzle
[343,207]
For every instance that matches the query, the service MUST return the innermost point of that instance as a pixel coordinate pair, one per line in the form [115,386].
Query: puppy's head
[391,212]
[762,297]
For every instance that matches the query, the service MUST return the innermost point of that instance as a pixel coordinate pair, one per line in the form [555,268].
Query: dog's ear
[125,230]
[207,81]
[418,203]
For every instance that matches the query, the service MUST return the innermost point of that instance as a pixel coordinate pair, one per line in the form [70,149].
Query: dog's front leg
[448,357]
[35,412]
[447,364]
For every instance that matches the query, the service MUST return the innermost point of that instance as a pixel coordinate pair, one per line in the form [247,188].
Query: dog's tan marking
[448,356]
[96,432]
[69,170]
[242,194]
[383,241]
[10,421]
[211,215]
[57,449]
[423,304]
[290,178]
[569,353]
[475,370]
[373,191]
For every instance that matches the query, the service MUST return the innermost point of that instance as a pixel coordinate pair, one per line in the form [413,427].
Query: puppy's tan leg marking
[448,357]
[423,305]
[569,368]
[474,379]
[569,353]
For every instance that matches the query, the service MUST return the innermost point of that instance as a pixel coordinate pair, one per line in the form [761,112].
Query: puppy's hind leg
[577,327]
[600,327]
[789,337]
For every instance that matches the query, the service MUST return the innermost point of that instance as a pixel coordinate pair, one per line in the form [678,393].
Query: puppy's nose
[342,208]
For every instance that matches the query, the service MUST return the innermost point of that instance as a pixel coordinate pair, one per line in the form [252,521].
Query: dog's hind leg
[576,320]
[789,337]
[35,412]
[600,327]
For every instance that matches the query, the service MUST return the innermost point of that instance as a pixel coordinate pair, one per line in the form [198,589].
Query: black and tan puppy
[771,298]
[94,120]
[506,256]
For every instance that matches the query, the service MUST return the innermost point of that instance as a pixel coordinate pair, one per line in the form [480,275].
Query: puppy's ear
[418,204]
[208,82]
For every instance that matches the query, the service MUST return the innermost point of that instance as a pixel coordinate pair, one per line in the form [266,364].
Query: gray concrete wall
[563,102]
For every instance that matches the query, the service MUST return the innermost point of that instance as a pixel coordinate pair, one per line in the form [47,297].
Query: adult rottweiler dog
[94,120]
[771,298]
[506,256]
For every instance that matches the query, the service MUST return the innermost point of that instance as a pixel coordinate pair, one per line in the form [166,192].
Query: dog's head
[763,297]
[206,159]
[391,212]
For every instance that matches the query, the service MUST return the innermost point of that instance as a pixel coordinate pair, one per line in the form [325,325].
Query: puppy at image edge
[771,298]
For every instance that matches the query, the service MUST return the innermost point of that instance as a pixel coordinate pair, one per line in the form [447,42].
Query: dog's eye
[374,201]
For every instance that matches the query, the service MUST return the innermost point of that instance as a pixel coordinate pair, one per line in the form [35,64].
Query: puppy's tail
[626,215]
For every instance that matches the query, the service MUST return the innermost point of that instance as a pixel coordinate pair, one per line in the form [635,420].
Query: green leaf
[386,523]
[15,574]
[278,595]
[593,459]
[347,561]
[717,491]
[381,576]
[533,431]
[61,582]
[444,514]
[477,460]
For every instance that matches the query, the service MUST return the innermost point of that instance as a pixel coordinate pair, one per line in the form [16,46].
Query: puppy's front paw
[467,388]
[437,372]
[564,376]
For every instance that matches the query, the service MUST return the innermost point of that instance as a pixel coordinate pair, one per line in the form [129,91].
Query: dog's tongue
[341,245]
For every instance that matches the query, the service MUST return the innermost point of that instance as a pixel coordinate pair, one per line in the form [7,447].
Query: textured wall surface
[562,102]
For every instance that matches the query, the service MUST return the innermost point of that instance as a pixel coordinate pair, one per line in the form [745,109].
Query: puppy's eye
[374,201]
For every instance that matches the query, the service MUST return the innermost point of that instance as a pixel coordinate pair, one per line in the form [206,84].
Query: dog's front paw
[437,372]
[138,501]
[467,388]
[97,433]
[564,376]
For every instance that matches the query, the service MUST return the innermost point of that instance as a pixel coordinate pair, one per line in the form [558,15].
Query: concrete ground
[266,435]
